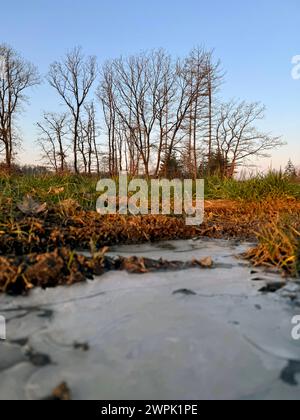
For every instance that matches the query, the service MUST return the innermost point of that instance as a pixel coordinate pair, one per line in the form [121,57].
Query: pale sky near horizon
[255,41]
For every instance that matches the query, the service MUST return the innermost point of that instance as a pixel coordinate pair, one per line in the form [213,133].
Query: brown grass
[50,237]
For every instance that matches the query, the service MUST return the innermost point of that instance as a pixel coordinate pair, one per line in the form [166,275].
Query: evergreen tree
[290,170]
[217,166]
[171,167]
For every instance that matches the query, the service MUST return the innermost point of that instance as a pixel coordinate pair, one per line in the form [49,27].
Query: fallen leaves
[69,207]
[60,393]
[56,190]
[66,225]
[40,240]
[18,275]
[206,262]
[30,207]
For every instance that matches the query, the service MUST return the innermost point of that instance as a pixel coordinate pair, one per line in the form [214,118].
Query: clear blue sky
[255,41]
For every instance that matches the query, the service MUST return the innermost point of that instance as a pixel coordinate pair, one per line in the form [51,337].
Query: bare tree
[106,95]
[87,144]
[214,78]
[93,132]
[73,78]
[52,140]
[237,138]
[146,101]
[18,75]
[179,108]
[160,113]
[199,72]
[126,101]
[132,93]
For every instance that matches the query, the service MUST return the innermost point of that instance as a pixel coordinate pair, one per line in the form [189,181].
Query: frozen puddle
[194,334]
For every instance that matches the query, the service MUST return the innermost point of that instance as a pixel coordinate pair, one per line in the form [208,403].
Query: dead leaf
[69,206]
[134,265]
[30,207]
[60,393]
[56,190]
[206,262]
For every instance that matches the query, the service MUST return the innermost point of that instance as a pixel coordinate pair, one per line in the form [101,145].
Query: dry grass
[279,244]
[53,226]
[69,225]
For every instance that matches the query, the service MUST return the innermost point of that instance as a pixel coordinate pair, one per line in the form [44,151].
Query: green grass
[76,187]
[258,188]
[55,188]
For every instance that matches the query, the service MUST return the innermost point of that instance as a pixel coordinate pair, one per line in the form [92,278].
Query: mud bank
[188,334]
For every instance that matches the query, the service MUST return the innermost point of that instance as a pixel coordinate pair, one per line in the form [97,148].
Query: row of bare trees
[159,115]
[57,137]
[155,107]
